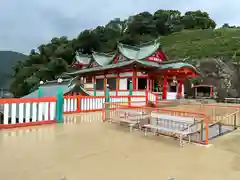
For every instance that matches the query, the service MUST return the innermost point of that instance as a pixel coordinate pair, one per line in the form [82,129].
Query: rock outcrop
[222,76]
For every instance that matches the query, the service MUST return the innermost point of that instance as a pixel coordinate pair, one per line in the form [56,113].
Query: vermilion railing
[27,112]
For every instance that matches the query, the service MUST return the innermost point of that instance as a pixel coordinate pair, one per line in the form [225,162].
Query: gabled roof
[82,58]
[50,88]
[101,59]
[139,52]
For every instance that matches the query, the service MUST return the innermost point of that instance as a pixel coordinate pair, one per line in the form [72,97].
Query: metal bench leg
[154,132]
[181,140]
[145,131]
[189,139]
[131,128]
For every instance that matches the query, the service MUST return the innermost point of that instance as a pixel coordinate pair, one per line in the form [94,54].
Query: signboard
[157,57]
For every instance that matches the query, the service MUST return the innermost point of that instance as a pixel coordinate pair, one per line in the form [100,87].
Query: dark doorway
[99,84]
[142,83]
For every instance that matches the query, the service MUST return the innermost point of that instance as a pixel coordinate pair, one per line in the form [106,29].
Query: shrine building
[145,66]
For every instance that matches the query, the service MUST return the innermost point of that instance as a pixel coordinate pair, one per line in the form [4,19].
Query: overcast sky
[25,24]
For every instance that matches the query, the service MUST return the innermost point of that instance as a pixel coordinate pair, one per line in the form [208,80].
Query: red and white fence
[26,112]
[152,97]
[76,104]
[36,111]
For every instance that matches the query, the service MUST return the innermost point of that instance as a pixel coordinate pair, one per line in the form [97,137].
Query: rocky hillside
[216,53]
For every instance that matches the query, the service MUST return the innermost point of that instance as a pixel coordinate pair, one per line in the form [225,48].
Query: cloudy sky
[25,24]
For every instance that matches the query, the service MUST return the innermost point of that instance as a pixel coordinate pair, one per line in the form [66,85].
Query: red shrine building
[145,66]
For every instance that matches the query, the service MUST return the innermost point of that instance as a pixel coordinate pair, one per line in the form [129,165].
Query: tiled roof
[139,52]
[82,58]
[159,66]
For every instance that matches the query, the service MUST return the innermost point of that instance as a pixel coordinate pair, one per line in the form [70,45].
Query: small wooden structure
[203,91]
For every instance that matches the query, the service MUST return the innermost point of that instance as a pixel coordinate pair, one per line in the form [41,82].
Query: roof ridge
[147,43]
[83,55]
[140,45]
[103,53]
[56,81]
[129,46]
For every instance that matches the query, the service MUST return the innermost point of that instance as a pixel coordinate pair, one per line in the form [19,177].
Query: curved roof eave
[103,59]
[179,65]
[79,58]
[138,52]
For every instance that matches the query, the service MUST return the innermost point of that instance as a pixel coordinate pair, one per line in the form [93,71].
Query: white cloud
[26,24]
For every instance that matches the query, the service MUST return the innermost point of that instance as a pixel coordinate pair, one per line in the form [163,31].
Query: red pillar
[179,91]
[211,91]
[148,83]
[134,79]
[164,94]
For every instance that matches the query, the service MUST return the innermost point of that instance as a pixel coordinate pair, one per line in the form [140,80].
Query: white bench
[129,111]
[176,119]
[133,118]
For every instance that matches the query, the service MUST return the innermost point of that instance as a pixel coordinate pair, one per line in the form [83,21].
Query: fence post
[107,105]
[59,105]
[147,97]
[94,89]
[130,88]
[78,103]
[130,92]
[201,131]
[235,121]
[40,93]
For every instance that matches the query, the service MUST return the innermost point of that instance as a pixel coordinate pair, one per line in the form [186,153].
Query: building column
[117,83]
[179,90]
[104,84]
[148,84]
[134,80]
[165,83]
[211,92]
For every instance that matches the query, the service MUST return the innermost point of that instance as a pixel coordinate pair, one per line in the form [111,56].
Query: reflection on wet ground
[83,149]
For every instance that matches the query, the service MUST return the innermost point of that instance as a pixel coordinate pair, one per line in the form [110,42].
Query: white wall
[123,84]
[126,74]
[88,85]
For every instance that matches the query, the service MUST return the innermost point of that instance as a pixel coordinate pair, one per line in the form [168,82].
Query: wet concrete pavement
[83,149]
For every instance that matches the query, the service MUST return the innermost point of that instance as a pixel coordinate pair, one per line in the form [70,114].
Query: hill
[198,44]
[8,59]
[189,35]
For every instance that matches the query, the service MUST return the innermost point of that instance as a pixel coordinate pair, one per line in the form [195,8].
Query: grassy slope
[202,43]
[7,59]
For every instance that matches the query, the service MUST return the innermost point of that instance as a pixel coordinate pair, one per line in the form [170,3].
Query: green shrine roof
[131,54]
[139,52]
[82,58]
[159,66]
[102,59]
[50,88]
